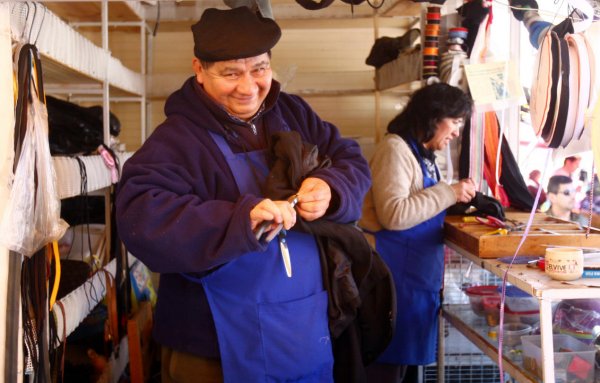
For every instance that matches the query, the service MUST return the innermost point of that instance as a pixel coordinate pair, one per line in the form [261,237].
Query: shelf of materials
[539,285]
[73,65]
[68,57]
[401,72]
[98,175]
[90,11]
[78,303]
[531,280]
[77,306]
[476,331]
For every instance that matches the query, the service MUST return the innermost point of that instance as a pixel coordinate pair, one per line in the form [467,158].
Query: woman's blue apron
[416,259]
[271,328]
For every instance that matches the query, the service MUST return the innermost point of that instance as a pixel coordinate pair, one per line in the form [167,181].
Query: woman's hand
[464,190]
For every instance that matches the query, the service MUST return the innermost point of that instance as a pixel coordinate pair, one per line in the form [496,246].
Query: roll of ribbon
[455,47]
[456,40]
[430,51]
[458,30]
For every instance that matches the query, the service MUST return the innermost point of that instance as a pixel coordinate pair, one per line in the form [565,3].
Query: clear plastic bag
[32,216]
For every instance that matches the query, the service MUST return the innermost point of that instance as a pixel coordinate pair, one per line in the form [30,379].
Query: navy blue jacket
[179,209]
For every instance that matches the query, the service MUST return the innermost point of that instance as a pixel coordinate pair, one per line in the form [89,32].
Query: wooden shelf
[69,178]
[536,283]
[532,280]
[70,58]
[476,330]
[88,11]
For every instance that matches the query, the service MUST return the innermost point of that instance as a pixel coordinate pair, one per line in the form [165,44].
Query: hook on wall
[582,14]
[25,21]
[32,22]
[41,23]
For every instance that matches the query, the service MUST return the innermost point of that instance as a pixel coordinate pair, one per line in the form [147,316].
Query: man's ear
[198,70]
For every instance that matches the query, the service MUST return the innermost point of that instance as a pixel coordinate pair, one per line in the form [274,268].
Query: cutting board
[545,230]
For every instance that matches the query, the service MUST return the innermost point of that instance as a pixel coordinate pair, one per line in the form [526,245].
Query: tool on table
[285,252]
[501,228]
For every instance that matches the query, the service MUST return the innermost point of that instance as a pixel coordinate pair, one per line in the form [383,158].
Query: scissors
[500,227]
[260,230]
[285,251]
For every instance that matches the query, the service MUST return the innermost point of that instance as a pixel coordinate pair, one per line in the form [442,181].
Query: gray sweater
[397,200]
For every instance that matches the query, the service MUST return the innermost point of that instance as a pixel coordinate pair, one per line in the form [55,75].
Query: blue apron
[271,328]
[416,259]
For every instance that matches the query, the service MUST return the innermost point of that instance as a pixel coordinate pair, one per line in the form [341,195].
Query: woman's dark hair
[426,108]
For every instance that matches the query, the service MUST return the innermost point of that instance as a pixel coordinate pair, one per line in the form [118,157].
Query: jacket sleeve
[166,211]
[399,198]
[348,176]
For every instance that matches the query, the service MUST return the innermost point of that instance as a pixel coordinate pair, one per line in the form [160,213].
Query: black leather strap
[555,72]
[562,107]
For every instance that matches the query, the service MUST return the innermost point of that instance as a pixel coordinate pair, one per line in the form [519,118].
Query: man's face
[564,199]
[240,86]
[573,165]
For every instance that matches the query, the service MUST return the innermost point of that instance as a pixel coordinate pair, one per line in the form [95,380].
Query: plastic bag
[32,217]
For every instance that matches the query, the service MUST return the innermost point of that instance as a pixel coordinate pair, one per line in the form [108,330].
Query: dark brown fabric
[231,34]
[361,293]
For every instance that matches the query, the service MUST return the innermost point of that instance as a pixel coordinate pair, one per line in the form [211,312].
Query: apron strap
[247,182]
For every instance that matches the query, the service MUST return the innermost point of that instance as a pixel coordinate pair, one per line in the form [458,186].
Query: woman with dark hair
[404,210]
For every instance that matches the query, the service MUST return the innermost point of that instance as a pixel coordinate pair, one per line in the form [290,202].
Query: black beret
[231,34]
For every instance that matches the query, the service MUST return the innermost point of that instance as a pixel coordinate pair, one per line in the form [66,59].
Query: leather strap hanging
[562,106]
[111,329]
[122,276]
[492,147]
[28,59]
[542,87]
[34,293]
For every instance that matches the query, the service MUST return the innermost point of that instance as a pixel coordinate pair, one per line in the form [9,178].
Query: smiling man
[191,201]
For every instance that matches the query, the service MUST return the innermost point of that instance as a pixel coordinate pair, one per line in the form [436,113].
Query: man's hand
[280,212]
[314,197]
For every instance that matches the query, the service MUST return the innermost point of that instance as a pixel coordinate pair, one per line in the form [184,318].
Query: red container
[476,295]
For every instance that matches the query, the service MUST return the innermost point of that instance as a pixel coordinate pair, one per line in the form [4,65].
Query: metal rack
[537,284]
[72,65]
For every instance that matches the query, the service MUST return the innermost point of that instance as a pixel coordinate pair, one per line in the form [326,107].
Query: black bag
[484,205]
[74,129]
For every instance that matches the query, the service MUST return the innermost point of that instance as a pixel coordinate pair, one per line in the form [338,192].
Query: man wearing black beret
[235,305]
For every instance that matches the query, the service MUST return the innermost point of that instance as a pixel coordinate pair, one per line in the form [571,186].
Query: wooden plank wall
[323,61]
